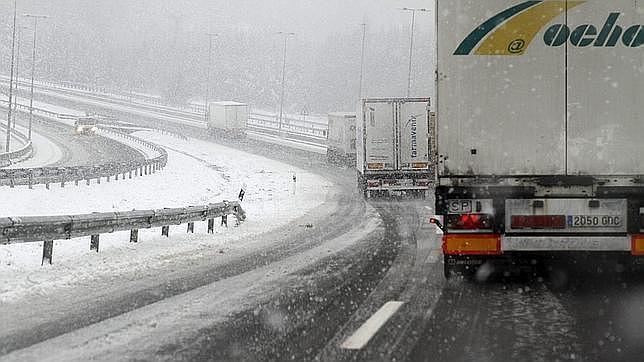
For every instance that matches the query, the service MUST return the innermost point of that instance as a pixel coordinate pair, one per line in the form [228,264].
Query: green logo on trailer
[511,31]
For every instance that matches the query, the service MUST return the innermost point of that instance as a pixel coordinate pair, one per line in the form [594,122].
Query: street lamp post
[364,33]
[208,66]
[286,35]
[13,48]
[411,42]
[33,68]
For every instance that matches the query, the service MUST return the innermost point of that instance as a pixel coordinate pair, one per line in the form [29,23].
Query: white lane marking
[362,335]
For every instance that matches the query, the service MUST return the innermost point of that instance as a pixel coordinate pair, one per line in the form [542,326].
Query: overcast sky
[96,40]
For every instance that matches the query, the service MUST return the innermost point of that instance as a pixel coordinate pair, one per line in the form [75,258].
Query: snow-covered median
[197,173]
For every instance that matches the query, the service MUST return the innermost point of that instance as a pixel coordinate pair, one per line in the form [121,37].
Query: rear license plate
[595,221]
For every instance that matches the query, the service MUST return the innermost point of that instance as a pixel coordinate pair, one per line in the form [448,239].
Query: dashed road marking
[363,335]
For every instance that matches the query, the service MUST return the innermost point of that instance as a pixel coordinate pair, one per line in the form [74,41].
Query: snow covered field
[197,173]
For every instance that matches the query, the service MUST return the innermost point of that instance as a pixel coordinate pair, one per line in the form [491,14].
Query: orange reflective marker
[472,244]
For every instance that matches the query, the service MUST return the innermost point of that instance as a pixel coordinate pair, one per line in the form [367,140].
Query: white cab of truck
[540,122]
[393,146]
[228,117]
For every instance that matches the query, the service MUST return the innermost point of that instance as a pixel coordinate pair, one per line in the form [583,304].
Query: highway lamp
[13,48]
[281,115]
[208,66]
[33,67]
[411,42]
[364,34]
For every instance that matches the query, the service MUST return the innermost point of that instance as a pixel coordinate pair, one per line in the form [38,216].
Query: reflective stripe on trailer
[565,243]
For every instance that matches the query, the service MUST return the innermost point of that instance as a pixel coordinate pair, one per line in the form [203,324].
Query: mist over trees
[161,47]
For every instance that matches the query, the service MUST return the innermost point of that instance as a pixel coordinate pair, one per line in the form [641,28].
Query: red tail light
[469,221]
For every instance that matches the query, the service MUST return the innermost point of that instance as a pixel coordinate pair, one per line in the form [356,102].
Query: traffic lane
[595,314]
[82,150]
[608,307]
[406,294]
[173,321]
[305,311]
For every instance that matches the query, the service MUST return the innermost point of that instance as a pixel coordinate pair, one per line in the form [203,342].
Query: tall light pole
[364,34]
[13,48]
[286,35]
[19,40]
[411,42]
[209,65]
[33,67]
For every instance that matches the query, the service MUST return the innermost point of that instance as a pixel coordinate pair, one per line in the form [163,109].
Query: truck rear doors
[605,82]
[394,134]
[540,87]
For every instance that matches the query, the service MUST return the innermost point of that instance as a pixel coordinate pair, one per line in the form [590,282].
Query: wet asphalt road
[596,315]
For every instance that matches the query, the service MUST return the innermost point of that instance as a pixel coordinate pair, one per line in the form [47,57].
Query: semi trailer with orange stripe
[393,140]
[540,130]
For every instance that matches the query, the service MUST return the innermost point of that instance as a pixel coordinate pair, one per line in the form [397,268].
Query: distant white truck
[540,119]
[228,118]
[393,146]
[341,138]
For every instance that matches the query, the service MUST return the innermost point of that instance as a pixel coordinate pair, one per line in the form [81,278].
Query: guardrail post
[134,235]
[93,243]
[47,251]
[130,174]
[140,171]
[88,182]
[62,183]
[224,220]
[108,178]
[211,226]
[116,177]
[191,227]
[165,231]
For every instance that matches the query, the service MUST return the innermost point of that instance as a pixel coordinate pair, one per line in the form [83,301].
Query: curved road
[80,150]
[314,290]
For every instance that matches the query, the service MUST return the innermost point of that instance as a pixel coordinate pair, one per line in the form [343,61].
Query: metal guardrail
[7,158]
[62,175]
[49,228]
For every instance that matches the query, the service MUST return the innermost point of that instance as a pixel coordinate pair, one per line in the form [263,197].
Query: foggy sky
[160,46]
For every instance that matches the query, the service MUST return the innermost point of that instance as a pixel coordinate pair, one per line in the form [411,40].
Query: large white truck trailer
[228,118]
[540,121]
[393,146]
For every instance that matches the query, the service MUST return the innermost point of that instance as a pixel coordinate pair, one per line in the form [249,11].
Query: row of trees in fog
[170,59]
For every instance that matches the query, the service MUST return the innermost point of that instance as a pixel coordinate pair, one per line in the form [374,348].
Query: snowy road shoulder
[211,173]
